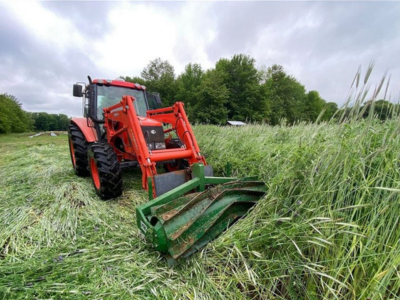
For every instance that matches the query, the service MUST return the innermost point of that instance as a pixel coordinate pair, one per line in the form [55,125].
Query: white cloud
[195,33]
[46,26]
[139,33]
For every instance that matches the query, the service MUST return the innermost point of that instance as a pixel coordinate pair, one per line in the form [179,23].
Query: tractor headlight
[160,146]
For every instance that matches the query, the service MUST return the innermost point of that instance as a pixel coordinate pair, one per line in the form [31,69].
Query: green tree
[45,122]
[268,94]
[382,109]
[63,122]
[5,122]
[12,118]
[313,106]
[188,86]
[212,98]
[242,79]
[134,79]
[42,121]
[329,109]
[53,122]
[5,115]
[160,77]
[286,97]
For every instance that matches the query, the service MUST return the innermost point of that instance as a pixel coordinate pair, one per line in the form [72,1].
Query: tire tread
[80,148]
[108,168]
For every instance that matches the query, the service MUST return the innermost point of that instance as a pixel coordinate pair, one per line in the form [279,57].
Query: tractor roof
[120,82]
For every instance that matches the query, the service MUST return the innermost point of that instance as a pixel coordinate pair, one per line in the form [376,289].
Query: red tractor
[124,127]
[121,130]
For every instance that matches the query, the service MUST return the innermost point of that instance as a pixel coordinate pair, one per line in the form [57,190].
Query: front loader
[125,127]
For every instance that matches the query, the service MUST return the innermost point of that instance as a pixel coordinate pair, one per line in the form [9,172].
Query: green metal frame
[198,183]
[236,200]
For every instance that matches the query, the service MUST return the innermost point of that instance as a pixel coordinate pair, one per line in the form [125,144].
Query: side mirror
[154,100]
[77,90]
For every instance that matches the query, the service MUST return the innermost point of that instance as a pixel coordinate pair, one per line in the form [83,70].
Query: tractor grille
[154,137]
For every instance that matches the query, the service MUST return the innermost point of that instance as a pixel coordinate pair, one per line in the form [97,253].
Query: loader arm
[122,121]
[176,116]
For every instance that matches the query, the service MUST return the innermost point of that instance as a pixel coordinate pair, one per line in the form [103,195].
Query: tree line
[235,90]
[13,119]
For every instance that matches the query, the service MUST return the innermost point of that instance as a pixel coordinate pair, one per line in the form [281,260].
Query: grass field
[327,229]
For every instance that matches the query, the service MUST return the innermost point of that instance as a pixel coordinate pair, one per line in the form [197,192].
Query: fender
[89,132]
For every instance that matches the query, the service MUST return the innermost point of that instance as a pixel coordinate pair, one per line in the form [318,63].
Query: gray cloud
[44,75]
[241,24]
[321,43]
[350,35]
[12,37]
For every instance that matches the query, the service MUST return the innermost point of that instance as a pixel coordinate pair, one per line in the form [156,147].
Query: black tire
[105,170]
[78,150]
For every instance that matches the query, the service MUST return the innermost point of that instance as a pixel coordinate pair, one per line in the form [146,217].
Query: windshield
[110,95]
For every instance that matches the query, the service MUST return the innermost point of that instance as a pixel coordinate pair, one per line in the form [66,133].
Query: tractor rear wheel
[105,170]
[78,150]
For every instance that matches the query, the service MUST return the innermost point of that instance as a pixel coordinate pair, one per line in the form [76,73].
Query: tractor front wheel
[78,150]
[176,164]
[105,170]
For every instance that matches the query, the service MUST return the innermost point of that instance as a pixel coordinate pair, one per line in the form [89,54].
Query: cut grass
[58,240]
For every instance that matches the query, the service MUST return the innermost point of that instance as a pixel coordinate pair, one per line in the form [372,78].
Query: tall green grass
[328,227]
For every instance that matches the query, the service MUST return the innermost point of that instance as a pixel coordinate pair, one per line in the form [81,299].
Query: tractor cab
[104,93]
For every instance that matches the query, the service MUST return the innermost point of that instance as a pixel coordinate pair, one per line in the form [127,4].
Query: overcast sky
[45,47]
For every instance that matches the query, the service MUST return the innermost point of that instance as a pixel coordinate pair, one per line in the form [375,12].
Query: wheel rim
[72,151]
[174,166]
[95,173]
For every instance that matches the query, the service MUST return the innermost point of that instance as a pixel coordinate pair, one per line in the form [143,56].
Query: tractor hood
[149,122]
